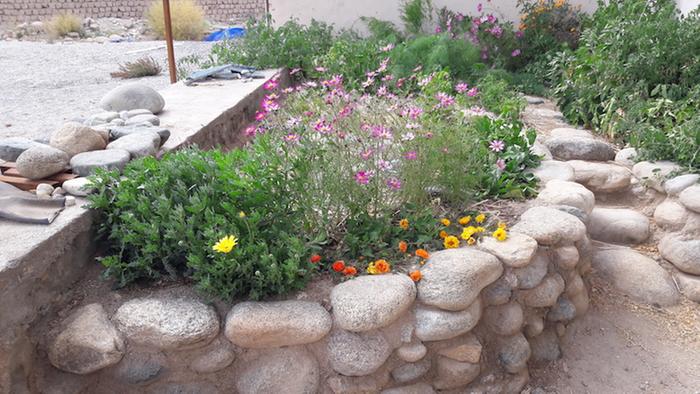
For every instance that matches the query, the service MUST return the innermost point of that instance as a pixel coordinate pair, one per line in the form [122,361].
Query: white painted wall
[687,5]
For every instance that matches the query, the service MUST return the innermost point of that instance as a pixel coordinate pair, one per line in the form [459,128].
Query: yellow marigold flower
[471,241]
[403,224]
[464,220]
[451,242]
[480,230]
[225,244]
[372,269]
[480,218]
[445,222]
[559,3]
[501,224]
[443,234]
[500,234]
[467,232]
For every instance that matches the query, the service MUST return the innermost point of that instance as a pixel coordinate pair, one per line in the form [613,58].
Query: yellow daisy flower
[451,242]
[403,224]
[464,220]
[500,234]
[480,218]
[225,244]
[471,241]
[445,222]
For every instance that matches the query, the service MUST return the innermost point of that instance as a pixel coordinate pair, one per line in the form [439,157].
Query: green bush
[352,58]
[436,52]
[164,216]
[415,13]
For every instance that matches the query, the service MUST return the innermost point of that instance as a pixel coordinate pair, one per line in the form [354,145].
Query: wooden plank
[24,183]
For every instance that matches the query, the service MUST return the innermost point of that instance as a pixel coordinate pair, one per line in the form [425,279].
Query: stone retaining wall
[15,11]
[475,320]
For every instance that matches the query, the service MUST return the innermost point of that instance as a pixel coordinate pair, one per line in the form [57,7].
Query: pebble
[44,189]
[412,352]
[80,187]
[140,119]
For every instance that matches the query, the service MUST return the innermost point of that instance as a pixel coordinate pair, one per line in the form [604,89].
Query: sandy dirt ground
[42,85]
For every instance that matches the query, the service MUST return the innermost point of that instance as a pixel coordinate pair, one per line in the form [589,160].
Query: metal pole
[169,41]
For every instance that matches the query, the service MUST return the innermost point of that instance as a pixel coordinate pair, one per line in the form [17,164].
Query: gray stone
[670,215]
[563,310]
[626,157]
[44,189]
[203,387]
[135,112]
[636,275]
[539,149]
[578,213]
[558,192]
[141,119]
[215,360]
[138,144]
[88,342]
[690,286]
[453,278]
[132,96]
[70,201]
[41,161]
[499,292]
[534,100]
[683,251]
[370,302]
[549,226]
[552,169]
[452,374]
[504,319]
[357,354]
[531,276]
[275,324]
[85,163]
[516,251]
[601,177]
[569,132]
[119,132]
[692,225]
[546,293]
[545,347]
[581,302]
[58,192]
[74,138]
[417,388]
[675,186]
[368,384]
[167,323]
[580,148]
[653,174]
[140,368]
[117,122]
[690,198]
[12,147]
[104,117]
[284,370]
[412,352]
[534,325]
[615,225]
[410,371]
[513,352]
[565,257]
[433,324]
[78,187]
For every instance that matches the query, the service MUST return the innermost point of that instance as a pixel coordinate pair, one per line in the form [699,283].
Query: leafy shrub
[352,58]
[291,45]
[62,24]
[164,216]
[143,67]
[415,13]
[187,17]
[436,52]
[381,30]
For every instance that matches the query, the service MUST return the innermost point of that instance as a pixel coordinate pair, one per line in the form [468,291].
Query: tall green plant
[415,13]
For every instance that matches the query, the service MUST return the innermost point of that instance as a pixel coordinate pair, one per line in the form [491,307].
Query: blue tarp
[223,34]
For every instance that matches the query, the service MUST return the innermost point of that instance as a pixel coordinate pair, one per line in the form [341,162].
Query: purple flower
[271,84]
[497,31]
[515,53]
[497,145]
[320,69]
[519,34]
[387,48]
[445,100]
[461,87]
[250,131]
[322,126]
[363,177]
[438,30]
[479,7]
[501,164]
[473,92]
[411,155]
[366,154]
[291,138]
[393,183]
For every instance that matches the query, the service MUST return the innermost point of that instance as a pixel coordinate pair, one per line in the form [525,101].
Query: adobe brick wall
[17,11]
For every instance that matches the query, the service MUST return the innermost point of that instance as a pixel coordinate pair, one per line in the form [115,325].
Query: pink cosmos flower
[369,82]
[461,87]
[459,17]
[497,31]
[291,138]
[411,125]
[382,66]
[497,145]
[515,53]
[479,7]
[366,154]
[293,121]
[260,115]
[438,30]
[399,82]
[490,18]
[473,92]
[363,177]
[383,165]
[382,91]
[393,183]
[250,131]
[425,80]
[445,100]
[322,126]
[320,69]
[387,48]
[335,81]
[381,132]
[270,105]
[294,71]
[387,78]
[271,84]
[411,155]
[501,164]
[288,90]
[408,136]
[519,34]
[346,111]
[310,84]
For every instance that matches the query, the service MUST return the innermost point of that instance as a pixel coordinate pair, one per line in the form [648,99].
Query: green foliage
[436,52]
[352,58]
[497,95]
[414,13]
[164,216]
[381,30]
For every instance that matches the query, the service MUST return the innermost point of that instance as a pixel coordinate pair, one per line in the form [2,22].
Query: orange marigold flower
[415,275]
[382,266]
[338,266]
[315,258]
[464,220]
[445,222]
[403,246]
[422,253]
[350,271]
[403,223]
[471,241]
[443,234]
[451,242]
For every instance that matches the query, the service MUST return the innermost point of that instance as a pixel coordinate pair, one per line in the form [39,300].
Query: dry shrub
[187,19]
[62,24]
[143,67]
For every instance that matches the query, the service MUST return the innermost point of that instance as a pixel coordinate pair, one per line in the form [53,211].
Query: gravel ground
[43,85]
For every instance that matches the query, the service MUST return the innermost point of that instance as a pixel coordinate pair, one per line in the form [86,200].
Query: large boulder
[690,198]
[371,302]
[675,186]
[138,144]
[653,174]
[89,342]
[357,354]
[558,192]
[41,161]
[683,251]
[621,225]
[12,147]
[626,157]
[636,275]
[553,169]
[74,138]
[167,323]
[580,148]
[601,177]
[670,215]
[85,163]
[690,285]
[275,324]
[132,96]
[549,226]
[453,278]
[433,324]
[284,370]
[516,251]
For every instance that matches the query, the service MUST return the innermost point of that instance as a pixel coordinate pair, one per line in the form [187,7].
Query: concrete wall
[14,11]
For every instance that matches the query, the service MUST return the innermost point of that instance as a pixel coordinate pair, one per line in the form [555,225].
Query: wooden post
[169,41]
